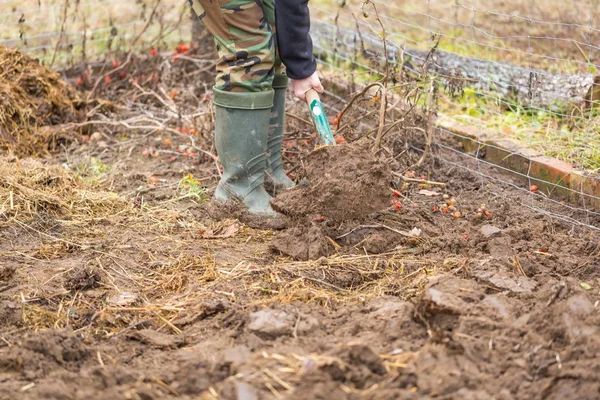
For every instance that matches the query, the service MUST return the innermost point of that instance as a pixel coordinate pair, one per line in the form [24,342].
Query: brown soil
[339,183]
[342,184]
[116,282]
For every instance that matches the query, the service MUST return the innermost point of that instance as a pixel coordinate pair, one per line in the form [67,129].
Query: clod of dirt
[578,307]
[340,183]
[378,243]
[500,247]
[83,279]
[31,96]
[270,324]
[10,314]
[489,231]
[62,347]
[200,312]
[317,386]
[7,272]
[499,275]
[442,372]
[301,243]
[497,305]
[446,298]
[443,301]
[221,210]
[156,339]
[245,391]
[237,354]
[360,365]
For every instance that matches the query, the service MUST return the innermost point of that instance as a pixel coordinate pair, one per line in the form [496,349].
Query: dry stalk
[62,31]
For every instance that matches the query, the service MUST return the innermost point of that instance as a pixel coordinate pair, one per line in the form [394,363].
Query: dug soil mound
[339,183]
[339,186]
[32,100]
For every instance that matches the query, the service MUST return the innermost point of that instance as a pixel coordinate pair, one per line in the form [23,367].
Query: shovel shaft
[319,118]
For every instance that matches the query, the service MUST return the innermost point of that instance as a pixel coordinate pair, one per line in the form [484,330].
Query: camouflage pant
[244,32]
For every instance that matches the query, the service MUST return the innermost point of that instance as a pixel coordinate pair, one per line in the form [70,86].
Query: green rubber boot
[276,176]
[241,128]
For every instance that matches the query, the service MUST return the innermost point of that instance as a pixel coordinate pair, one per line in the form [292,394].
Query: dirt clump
[40,354]
[155,339]
[7,272]
[345,182]
[301,243]
[338,184]
[271,323]
[83,279]
[32,98]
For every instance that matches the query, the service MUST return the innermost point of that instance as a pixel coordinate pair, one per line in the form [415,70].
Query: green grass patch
[572,137]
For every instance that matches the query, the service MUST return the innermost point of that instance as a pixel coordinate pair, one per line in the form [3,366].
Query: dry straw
[33,99]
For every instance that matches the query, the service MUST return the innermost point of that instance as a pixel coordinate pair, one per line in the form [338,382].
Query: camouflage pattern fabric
[244,32]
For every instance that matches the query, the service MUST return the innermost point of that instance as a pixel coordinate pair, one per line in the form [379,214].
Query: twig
[296,325]
[145,28]
[165,386]
[7,287]
[62,32]
[383,35]
[101,78]
[430,125]
[356,97]
[403,233]
[414,180]
[519,266]
[339,130]
[557,291]
[357,229]
[168,323]
[299,119]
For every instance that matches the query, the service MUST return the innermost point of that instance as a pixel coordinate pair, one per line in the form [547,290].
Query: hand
[301,86]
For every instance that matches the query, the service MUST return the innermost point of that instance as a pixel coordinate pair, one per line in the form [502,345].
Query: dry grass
[151,265]
[32,99]
[281,374]
[28,189]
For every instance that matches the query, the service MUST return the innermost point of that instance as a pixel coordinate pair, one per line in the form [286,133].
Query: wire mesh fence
[516,81]
[518,86]
[63,33]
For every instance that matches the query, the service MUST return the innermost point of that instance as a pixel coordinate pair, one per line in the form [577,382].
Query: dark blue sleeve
[292,21]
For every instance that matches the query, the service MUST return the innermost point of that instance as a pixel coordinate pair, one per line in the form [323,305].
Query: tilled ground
[118,281]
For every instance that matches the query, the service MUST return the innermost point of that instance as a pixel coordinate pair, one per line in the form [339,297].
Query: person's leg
[244,40]
[243,97]
[275,172]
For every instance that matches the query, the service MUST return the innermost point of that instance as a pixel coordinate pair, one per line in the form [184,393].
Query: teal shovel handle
[319,118]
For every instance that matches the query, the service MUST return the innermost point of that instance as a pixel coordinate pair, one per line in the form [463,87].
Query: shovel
[319,118]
